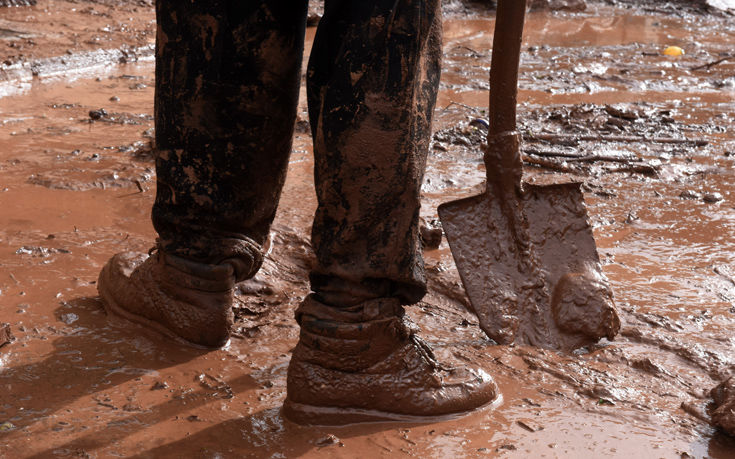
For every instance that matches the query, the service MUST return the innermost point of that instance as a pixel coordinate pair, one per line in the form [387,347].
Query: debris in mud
[7,426]
[689,194]
[711,198]
[526,426]
[159,385]
[221,388]
[105,401]
[586,139]
[38,251]
[673,51]
[431,233]
[69,318]
[97,114]
[711,64]
[17,2]
[471,134]
[647,365]
[302,126]
[132,408]
[618,123]
[631,218]
[6,335]
[329,440]
[723,409]
[103,115]
[558,5]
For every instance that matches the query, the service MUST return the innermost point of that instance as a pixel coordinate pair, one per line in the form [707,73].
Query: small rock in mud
[712,197]
[689,194]
[723,410]
[302,126]
[431,233]
[159,385]
[329,440]
[6,336]
[223,390]
[631,218]
[6,426]
[622,111]
[647,365]
[97,114]
[69,318]
[526,426]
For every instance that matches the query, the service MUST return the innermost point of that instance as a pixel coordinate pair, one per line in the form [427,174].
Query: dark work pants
[227,84]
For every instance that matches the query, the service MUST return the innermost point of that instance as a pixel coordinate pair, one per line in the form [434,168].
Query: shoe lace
[428,354]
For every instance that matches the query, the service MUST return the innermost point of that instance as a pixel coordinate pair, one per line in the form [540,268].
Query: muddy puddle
[77,183]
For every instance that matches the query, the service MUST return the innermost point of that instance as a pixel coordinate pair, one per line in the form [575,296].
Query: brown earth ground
[74,190]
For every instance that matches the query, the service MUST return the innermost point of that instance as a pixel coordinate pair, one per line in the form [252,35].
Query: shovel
[525,252]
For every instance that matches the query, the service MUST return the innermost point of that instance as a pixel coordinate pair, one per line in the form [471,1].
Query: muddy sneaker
[365,364]
[177,297]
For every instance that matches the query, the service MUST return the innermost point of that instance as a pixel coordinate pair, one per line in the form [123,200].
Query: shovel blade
[565,304]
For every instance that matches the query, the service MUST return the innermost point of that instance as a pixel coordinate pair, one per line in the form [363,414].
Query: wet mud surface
[77,184]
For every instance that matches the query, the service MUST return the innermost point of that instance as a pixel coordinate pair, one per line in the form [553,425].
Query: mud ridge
[76,62]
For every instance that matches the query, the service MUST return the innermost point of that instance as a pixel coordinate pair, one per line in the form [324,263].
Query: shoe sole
[113,309]
[331,416]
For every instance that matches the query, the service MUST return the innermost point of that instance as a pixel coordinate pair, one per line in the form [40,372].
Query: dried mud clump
[723,411]
[17,2]
[583,307]
[6,336]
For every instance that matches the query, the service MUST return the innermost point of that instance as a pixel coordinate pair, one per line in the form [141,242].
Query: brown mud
[76,188]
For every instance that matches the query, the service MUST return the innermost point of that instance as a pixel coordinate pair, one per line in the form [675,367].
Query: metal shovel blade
[525,253]
[564,303]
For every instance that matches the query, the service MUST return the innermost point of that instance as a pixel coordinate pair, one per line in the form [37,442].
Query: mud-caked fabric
[372,82]
[227,80]
[227,85]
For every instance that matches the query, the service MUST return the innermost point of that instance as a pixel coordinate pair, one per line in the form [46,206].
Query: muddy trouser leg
[372,82]
[227,85]
[372,85]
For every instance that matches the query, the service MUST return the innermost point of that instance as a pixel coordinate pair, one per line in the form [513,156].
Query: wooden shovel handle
[507,39]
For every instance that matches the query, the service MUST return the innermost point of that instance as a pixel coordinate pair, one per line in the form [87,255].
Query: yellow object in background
[673,51]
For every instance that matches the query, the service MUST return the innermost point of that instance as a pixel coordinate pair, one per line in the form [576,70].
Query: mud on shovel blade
[526,253]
